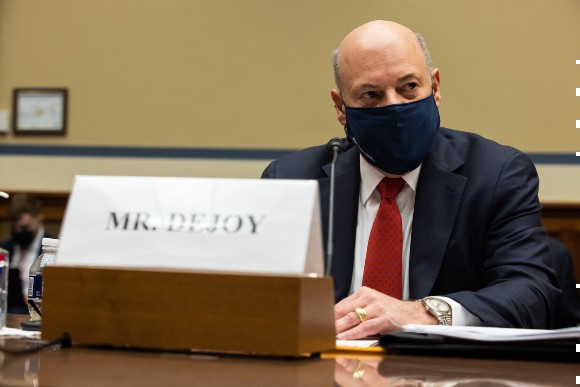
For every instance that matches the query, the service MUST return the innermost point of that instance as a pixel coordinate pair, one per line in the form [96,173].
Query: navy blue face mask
[394,138]
[23,238]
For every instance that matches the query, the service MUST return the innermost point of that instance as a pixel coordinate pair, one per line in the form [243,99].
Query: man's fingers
[347,321]
[347,305]
[359,299]
[365,313]
[368,328]
[357,332]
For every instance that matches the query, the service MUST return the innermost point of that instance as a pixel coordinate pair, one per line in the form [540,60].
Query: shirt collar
[371,177]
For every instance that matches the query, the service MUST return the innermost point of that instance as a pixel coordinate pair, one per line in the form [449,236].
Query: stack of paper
[495,334]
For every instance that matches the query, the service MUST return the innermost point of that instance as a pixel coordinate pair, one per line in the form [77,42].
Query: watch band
[438,308]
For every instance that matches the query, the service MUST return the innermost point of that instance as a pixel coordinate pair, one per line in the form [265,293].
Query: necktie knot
[389,188]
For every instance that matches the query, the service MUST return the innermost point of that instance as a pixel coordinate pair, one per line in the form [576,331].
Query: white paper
[357,343]
[17,333]
[495,334]
[40,111]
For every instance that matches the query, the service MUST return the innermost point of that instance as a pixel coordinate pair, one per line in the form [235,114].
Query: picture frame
[40,111]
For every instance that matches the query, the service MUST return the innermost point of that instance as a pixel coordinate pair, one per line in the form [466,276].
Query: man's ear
[436,84]
[338,106]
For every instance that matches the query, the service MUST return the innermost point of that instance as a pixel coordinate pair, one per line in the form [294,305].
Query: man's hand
[384,314]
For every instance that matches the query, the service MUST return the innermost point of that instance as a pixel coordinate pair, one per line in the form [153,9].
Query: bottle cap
[50,242]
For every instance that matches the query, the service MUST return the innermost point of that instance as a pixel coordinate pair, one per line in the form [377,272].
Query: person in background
[27,224]
[432,225]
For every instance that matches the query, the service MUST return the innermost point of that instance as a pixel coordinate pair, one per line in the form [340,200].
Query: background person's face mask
[394,138]
[23,238]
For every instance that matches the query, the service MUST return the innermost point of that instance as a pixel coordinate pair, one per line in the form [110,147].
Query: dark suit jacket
[477,235]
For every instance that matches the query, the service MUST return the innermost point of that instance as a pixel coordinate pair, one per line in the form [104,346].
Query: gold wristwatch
[438,308]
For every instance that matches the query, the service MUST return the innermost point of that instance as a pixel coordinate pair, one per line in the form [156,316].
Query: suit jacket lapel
[439,193]
[346,191]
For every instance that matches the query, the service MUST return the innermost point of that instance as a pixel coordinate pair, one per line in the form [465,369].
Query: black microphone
[335,146]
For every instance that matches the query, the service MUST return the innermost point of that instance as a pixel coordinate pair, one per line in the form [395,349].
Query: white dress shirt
[368,206]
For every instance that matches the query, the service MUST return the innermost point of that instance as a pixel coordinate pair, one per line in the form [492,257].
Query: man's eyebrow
[408,77]
[402,79]
[368,86]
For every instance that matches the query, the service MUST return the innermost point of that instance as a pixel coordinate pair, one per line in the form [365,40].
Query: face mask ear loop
[344,107]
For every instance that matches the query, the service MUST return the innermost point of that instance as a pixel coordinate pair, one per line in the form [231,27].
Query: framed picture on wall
[39,111]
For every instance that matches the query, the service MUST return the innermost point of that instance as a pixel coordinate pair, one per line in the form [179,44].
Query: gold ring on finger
[361,313]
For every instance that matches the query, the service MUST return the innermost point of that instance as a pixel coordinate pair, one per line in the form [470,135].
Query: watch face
[437,305]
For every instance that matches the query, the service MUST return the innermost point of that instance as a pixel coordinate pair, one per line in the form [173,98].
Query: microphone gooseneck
[335,146]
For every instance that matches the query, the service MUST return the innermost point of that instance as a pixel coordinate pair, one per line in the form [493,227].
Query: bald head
[378,36]
[382,63]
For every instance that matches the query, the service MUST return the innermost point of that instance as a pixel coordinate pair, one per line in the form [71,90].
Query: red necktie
[383,264]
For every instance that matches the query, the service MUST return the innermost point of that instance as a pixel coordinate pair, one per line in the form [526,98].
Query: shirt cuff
[461,316]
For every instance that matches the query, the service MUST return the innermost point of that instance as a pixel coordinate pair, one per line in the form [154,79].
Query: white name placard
[240,225]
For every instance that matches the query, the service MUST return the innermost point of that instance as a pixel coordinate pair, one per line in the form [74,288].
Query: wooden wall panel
[562,221]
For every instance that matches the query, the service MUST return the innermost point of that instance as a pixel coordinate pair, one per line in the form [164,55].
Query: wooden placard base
[182,310]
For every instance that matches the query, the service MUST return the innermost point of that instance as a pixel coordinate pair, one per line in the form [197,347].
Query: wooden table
[79,366]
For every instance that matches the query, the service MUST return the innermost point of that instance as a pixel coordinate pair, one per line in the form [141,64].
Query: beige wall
[256,74]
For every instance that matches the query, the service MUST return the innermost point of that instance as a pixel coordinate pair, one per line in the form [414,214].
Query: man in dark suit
[26,218]
[461,231]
